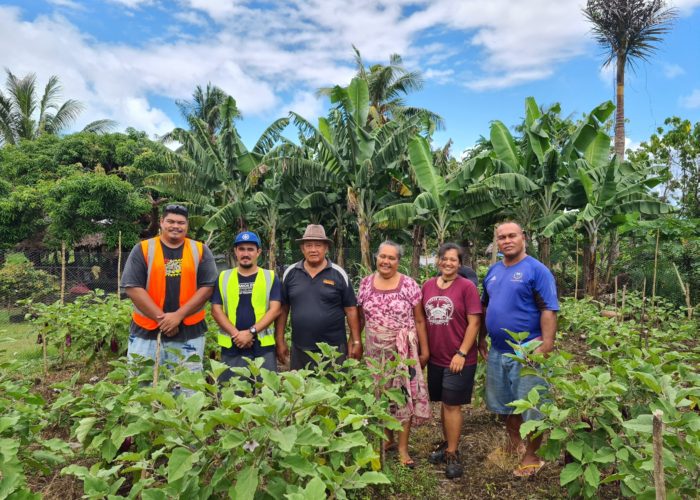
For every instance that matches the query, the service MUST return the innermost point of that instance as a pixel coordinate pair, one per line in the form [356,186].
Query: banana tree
[541,157]
[358,157]
[603,190]
[442,202]
[211,171]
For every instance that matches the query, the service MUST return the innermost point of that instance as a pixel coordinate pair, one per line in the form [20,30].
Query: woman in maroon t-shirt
[453,314]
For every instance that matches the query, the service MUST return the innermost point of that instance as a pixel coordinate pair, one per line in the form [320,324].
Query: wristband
[460,353]
[355,342]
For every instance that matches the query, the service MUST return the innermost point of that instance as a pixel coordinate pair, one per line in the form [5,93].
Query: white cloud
[691,101]
[672,70]
[685,6]
[257,54]
[440,76]
[631,144]
[70,4]
[305,104]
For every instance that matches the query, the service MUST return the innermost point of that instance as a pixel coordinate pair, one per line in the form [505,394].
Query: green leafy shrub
[299,434]
[600,416]
[89,325]
[20,280]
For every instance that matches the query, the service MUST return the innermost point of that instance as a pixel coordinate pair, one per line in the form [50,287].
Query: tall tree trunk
[589,263]
[272,250]
[613,254]
[544,247]
[339,245]
[418,232]
[620,107]
[363,232]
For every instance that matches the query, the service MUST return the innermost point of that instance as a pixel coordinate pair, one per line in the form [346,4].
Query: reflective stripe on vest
[260,300]
[152,249]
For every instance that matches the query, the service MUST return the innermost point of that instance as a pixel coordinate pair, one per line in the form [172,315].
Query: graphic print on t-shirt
[246,287]
[439,310]
[173,268]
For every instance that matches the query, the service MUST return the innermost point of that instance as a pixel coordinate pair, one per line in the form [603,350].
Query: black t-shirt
[317,305]
[136,274]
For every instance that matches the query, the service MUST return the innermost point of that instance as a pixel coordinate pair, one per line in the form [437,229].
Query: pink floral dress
[390,328]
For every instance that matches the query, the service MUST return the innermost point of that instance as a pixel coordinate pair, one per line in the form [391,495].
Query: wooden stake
[576,279]
[119,266]
[645,332]
[616,292]
[621,316]
[46,360]
[63,271]
[157,362]
[658,443]
[685,288]
[653,282]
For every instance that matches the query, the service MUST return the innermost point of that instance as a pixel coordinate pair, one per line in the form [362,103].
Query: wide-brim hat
[315,232]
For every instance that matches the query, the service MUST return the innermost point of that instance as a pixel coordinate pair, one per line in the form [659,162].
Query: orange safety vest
[155,281]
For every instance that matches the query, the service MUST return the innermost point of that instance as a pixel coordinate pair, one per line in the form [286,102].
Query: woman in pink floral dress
[394,322]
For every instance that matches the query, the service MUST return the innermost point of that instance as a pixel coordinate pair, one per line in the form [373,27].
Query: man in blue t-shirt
[246,301]
[519,295]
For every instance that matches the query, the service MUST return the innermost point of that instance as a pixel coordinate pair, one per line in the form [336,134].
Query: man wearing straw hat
[245,303]
[169,278]
[321,299]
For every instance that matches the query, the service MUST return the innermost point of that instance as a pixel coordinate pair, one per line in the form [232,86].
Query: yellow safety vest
[260,300]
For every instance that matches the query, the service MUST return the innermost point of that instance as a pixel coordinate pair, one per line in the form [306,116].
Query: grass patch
[17,340]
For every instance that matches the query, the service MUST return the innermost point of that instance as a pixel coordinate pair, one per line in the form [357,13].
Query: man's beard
[246,265]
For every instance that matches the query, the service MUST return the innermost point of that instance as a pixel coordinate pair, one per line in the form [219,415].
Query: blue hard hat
[247,237]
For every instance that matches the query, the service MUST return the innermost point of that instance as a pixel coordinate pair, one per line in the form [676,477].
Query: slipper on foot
[529,469]
[409,464]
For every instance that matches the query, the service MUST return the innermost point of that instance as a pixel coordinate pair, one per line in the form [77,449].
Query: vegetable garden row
[293,435]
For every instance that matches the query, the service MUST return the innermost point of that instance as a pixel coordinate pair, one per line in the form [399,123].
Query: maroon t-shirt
[446,316]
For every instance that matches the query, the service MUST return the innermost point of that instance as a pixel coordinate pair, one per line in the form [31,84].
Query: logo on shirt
[329,282]
[439,310]
[173,267]
[517,276]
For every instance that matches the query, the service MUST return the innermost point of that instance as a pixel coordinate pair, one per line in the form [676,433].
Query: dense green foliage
[600,412]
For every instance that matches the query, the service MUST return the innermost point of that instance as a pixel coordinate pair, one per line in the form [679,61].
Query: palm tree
[628,30]
[388,86]
[23,115]
[205,105]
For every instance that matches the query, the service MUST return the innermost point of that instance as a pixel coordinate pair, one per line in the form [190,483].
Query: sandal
[529,469]
[409,464]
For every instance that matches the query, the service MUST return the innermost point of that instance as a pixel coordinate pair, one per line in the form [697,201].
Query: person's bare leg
[442,421]
[403,443]
[532,445]
[515,442]
[389,443]
[452,425]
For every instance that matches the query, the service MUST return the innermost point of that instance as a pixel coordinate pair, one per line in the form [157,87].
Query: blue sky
[129,60]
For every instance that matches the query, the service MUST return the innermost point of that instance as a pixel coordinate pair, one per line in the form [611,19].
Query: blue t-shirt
[514,297]
[245,315]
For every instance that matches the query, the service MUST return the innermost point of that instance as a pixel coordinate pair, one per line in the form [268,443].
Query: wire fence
[50,275]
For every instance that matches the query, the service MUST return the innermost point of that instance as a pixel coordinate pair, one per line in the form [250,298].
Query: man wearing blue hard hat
[246,301]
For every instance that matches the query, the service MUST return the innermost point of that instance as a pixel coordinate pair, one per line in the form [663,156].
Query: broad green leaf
[7,422]
[372,477]
[84,427]
[285,437]
[576,449]
[592,475]
[570,473]
[597,151]
[153,494]
[642,424]
[315,489]
[180,463]
[504,145]
[358,94]
[246,484]
[648,380]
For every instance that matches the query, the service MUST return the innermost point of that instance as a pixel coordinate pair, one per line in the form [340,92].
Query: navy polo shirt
[317,305]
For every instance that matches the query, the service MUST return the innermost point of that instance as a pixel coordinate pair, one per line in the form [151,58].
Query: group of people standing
[442,325]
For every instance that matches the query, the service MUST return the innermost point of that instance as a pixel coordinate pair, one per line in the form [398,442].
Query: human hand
[484,349]
[355,350]
[244,339]
[544,349]
[423,358]
[169,323]
[282,351]
[457,363]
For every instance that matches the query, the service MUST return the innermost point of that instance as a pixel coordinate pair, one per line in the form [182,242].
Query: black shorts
[451,388]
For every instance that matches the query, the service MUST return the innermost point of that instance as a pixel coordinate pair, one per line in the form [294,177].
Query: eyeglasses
[175,209]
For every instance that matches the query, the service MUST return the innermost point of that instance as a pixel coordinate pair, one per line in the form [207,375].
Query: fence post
[621,316]
[658,443]
[645,331]
[656,263]
[119,266]
[576,279]
[63,271]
